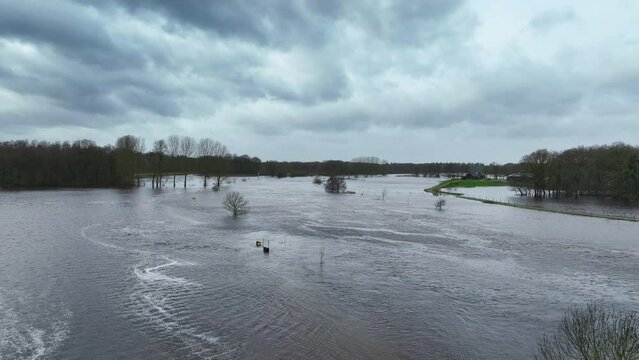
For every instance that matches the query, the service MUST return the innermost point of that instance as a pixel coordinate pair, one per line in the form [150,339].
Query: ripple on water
[21,338]
[161,301]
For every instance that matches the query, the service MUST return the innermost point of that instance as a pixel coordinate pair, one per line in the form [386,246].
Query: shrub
[439,204]
[317,180]
[595,332]
[335,184]
[235,203]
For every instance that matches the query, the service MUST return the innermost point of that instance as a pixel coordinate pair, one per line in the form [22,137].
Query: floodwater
[168,274]
[584,204]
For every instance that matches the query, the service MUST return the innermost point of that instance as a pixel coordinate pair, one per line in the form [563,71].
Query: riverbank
[465,183]
[448,184]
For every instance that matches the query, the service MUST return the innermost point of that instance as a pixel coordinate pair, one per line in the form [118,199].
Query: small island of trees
[583,171]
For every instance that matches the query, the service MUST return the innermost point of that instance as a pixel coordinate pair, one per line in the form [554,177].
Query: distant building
[474,176]
[519,177]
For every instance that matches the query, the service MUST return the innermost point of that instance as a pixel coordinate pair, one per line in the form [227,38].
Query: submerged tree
[595,332]
[335,185]
[187,149]
[212,161]
[439,204]
[609,170]
[235,203]
[127,156]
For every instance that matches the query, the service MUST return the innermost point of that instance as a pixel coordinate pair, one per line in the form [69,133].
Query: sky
[407,81]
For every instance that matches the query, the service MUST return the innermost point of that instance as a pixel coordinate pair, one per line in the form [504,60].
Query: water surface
[157,274]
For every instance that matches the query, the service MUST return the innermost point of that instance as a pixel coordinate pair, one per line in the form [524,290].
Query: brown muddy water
[157,274]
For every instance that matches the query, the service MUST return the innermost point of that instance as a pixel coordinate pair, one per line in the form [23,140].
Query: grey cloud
[281,67]
[273,23]
[78,89]
[69,29]
[286,23]
[551,18]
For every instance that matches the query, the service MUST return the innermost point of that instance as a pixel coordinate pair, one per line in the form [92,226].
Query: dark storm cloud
[263,22]
[70,30]
[79,89]
[318,66]
[283,22]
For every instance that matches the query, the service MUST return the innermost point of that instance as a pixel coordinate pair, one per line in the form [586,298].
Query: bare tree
[187,149]
[159,150]
[210,147]
[439,204]
[129,151]
[130,143]
[187,146]
[367,160]
[335,184]
[384,192]
[595,332]
[212,159]
[235,203]
[173,145]
[173,149]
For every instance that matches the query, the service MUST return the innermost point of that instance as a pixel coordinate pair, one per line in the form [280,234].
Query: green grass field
[460,183]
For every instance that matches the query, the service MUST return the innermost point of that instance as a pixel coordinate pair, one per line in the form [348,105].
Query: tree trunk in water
[185,181]
[205,181]
[174,181]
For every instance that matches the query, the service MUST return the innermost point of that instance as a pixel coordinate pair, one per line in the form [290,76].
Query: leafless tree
[384,192]
[159,149]
[439,204]
[235,203]
[212,159]
[335,184]
[128,155]
[173,149]
[594,332]
[317,180]
[187,146]
[130,143]
[187,149]
[173,145]
[210,147]
[367,160]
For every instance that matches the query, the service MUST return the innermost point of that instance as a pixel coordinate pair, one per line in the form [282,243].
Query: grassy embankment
[453,183]
[461,183]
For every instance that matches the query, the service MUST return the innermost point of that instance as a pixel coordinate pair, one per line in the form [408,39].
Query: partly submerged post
[267,247]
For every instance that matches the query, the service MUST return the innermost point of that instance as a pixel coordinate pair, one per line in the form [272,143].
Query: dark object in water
[258,243]
[267,248]
[215,188]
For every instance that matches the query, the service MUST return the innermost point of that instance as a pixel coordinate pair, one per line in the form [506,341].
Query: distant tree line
[438,169]
[82,163]
[44,164]
[609,170]
[600,170]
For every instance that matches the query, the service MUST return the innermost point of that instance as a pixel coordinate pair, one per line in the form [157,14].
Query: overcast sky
[420,81]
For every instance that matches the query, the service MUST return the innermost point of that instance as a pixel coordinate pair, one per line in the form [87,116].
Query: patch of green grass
[461,183]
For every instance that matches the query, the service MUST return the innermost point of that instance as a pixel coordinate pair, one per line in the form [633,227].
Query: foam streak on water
[19,338]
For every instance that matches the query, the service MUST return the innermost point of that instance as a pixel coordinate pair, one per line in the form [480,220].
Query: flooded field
[583,204]
[165,274]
